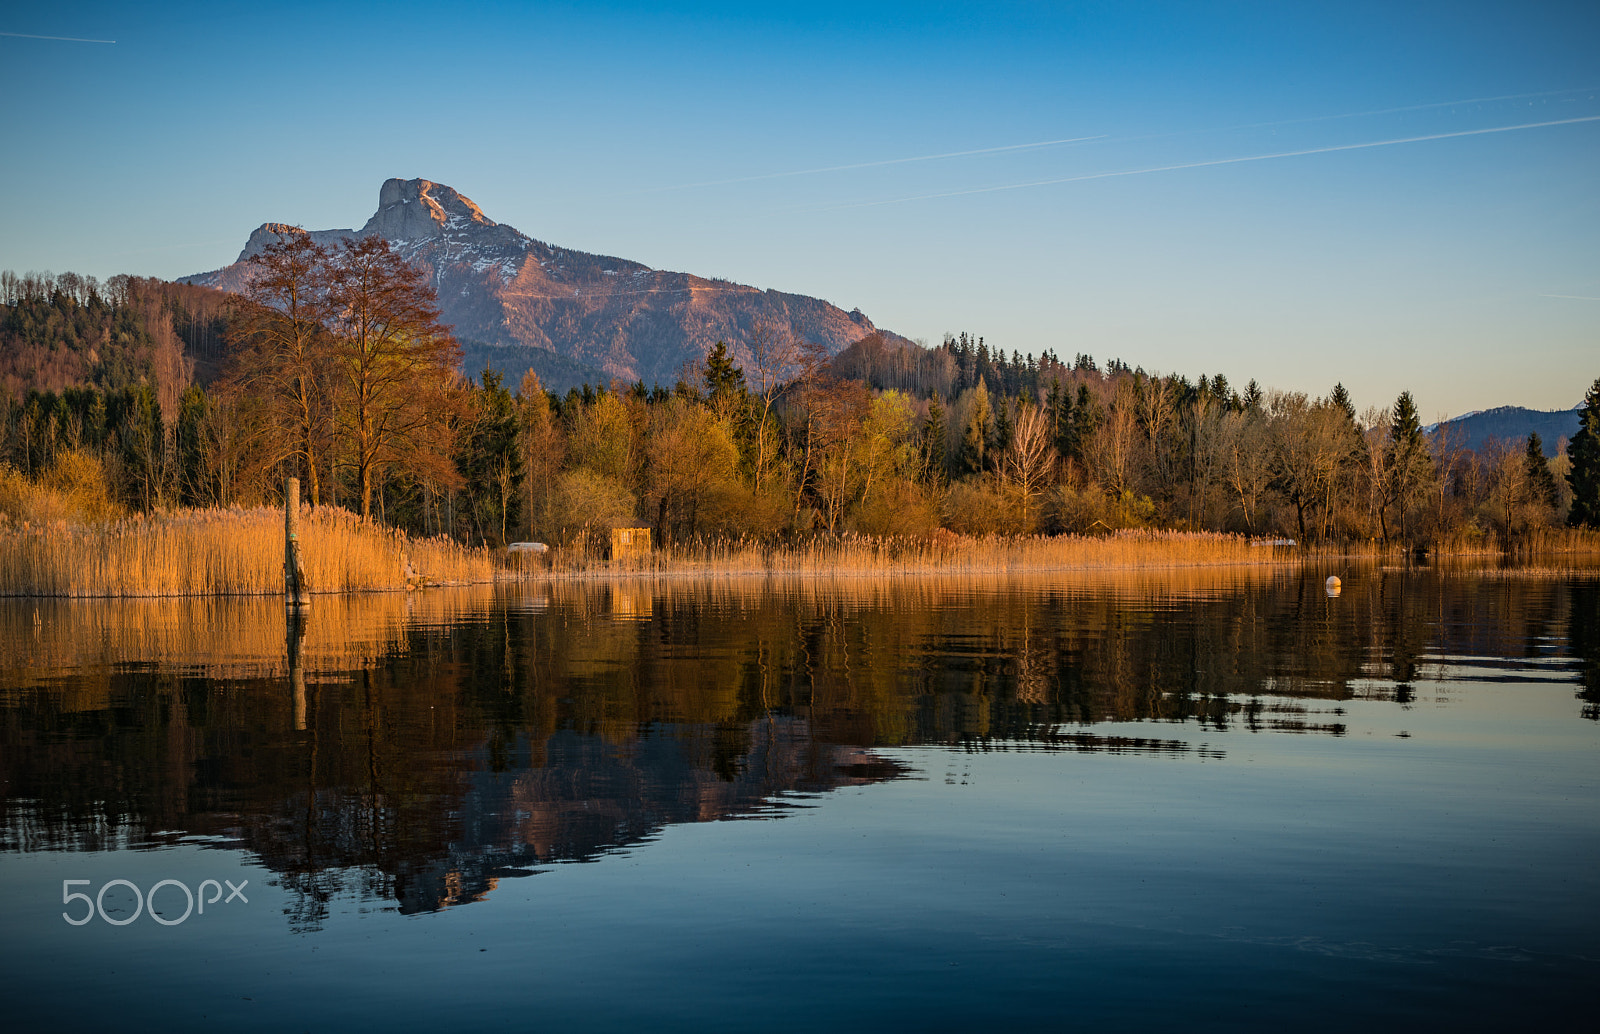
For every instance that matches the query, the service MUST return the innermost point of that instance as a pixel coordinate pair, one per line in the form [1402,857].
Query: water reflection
[418,750]
[1584,636]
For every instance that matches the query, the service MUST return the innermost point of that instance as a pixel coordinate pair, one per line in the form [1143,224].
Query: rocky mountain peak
[522,303]
[410,210]
[265,234]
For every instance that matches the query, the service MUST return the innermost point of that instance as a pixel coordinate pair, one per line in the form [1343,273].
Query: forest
[137,396]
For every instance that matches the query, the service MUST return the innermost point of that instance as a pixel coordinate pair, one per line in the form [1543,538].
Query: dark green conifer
[1584,452]
[724,381]
[1085,420]
[1541,482]
[1410,463]
[1341,398]
[1003,427]
[1060,410]
[489,460]
[935,437]
[975,436]
[191,444]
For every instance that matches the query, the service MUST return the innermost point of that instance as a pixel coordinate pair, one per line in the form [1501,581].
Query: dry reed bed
[221,552]
[1541,543]
[1567,545]
[941,553]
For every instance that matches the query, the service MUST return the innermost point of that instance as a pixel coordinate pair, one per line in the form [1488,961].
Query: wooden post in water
[294,572]
[294,641]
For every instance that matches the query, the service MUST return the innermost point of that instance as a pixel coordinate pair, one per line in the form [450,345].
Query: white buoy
[1333,585]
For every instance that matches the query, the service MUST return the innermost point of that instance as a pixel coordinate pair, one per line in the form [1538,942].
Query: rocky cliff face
[518,302]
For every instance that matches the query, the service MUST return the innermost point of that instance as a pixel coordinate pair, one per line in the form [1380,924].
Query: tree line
[338,371]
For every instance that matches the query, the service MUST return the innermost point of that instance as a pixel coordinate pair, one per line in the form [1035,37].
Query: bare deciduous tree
[544,448]
[395,367]
[778,358]
[1247,462]
[282,326]
[1027,461]
[1112,448]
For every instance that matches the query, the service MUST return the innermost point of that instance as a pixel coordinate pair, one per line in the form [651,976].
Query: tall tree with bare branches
[1028,458]
[281,331]
[778,358]
[395,368]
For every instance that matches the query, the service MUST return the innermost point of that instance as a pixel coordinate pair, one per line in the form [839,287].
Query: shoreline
[239,553]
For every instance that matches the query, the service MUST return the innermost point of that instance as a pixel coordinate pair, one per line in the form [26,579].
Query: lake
[1196,798]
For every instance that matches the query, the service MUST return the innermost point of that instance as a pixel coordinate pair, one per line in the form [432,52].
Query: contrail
[1384,111]
[876,164]
[1106,136]
[63,39]
[1216,161]
[1574,297]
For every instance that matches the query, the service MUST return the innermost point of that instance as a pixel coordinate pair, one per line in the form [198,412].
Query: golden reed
[942,552]
[222,552]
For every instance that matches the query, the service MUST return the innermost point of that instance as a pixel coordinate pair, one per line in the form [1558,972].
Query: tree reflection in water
[418,751]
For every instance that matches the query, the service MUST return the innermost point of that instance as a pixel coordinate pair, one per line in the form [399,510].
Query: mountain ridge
[1511,424]
[511,297]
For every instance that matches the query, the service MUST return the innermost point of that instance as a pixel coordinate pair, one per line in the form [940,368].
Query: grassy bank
[221,552]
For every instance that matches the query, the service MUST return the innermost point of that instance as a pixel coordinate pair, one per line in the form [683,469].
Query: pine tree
[1410,464]
[1060,409]
[934,447]
[1004,427]
[724,381]
[1541,482]
[193,465]
[1584,452]
[975,436]
[139,427]
[1341,398]
[1085,421]
[490,462]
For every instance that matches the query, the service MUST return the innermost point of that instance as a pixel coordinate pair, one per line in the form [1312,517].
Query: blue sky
[1465,268]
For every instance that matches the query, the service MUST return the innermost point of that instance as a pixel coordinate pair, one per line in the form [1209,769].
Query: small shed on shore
[630,539]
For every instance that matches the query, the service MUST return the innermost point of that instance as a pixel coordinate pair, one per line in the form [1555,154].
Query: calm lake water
[1205,800]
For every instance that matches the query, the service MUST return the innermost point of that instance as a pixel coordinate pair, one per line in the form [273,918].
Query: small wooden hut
[630,539]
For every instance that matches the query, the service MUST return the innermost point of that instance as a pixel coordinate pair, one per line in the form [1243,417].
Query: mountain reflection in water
[418,749]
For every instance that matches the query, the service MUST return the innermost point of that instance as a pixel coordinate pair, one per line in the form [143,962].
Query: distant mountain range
[518,303]
[1511,424]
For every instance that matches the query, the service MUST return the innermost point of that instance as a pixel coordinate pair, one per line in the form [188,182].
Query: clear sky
[908,159]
